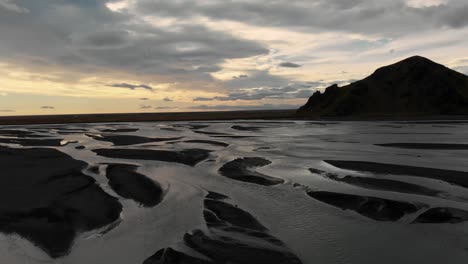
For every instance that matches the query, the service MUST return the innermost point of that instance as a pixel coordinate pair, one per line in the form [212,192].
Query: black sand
[247,128]
[233,136]
[441,216]
[171,256]
[209,142]
[45,198]
[126,140]
[29,142]
[19,133]
[128,183]
[216,196]
[191,126]
[454,177]
[233,236]
[372,207]
[232,215]
[242,170]
[189,157]
[381,184]
[210,133]
[442,146]
[120,130]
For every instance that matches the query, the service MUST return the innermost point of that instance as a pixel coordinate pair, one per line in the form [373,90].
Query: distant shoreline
[146,117]
[289,114]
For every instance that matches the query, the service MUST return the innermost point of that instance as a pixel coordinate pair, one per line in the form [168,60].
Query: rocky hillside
[414,86]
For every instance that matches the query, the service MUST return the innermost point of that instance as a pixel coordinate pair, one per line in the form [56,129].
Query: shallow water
[316,232]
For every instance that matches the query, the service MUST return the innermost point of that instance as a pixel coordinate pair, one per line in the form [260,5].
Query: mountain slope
[414,86]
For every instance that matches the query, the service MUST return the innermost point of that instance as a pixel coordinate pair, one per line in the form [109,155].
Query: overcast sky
[96,56]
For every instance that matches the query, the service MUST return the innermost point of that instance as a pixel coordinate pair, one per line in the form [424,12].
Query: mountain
[414,86]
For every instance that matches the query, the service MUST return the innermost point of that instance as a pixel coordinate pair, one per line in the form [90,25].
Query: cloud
[48,107]
[462,69]
[256,78]
[131,86]
[426,3]
[240,76]
[233,49]
[289,65]
[86,36]
[145,106]
[11,6]
[289,91]
[357,16]
[460,65]
[204,99]
[143,99]
[462,61]
[106,39]
[292,90]
[6,110]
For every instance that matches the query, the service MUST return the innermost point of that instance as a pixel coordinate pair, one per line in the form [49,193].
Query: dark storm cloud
[291,91]
[110,38]
[131,86]
[87,36]
[87,32]
[256,78]
[168,99]
[208,69]
[298,90]
[375,16]
[289,65]
[455,17]
[191,50]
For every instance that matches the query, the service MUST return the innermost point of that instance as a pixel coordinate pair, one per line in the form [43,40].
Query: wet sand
[244,170]
[48,200]
[287,192]
[375,208]
[454,177]
[234,236]
[426,146]
[380,184]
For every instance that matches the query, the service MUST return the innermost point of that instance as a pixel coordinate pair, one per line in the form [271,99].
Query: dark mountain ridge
[414,86]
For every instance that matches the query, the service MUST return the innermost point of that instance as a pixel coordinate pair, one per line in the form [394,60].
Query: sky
[103,56]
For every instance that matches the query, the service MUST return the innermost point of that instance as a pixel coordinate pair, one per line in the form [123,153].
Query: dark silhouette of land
[147,117]
[413,87]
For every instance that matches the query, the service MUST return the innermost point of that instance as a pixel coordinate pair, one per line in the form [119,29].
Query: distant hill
[414,86]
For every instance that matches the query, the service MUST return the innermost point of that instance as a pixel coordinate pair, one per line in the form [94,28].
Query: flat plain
[245,191]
